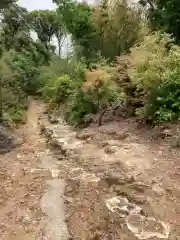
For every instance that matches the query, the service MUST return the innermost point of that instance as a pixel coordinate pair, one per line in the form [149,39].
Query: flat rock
[147,227]
[142,227]
[111,149]
[140,186]
[116,178]
[83,135]
[139,199]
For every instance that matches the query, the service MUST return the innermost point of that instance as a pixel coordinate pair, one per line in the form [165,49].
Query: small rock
[140,186]
[108,236]
[26,219]
[158,190]
[54,142]
[83,135]
[139,199]
[69,189]
[120,191]
[101,170]
[122,136]
[21,201]
[114,178]
[111,149]
[112,143]
[68,200]
[53,118]
[169,190]
[167,132]
[104,144]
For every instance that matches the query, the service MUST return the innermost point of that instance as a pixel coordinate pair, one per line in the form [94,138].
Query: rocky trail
[100,183]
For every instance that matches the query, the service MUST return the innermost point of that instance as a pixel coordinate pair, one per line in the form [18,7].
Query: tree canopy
[6,3]
[165,15]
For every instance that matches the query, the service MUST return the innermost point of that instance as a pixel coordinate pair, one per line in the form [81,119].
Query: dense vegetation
[122,55]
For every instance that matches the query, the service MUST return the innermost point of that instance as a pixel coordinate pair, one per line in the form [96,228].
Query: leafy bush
[13,98]
[97,91]
[99,86]
[79,107]
[81,92]
[164,102]
[57,90]
[157,75]
[26,72]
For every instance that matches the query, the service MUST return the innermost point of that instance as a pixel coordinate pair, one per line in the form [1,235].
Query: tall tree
[6,3]
[15,30]
[102,29]
[47,24]
[118,26]
[164,14]
[77,18]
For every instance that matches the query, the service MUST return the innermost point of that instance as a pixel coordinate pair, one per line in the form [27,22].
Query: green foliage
[15,34]
[102,29]
[150,59]
[164,15]
[20,59]
[99,33]
[14,28]
[13,98]
[97,91]
[57,90]
[47,24]
[26,72]
[6,3]
[59,66]
[77,18]
[118,27]
[164,102]
[81,92]
[157,75]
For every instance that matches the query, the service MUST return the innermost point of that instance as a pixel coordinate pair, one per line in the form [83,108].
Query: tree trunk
[1,111]
[59,46]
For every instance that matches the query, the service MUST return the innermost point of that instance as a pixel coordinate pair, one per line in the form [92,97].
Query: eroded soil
[117,181]
[125,184]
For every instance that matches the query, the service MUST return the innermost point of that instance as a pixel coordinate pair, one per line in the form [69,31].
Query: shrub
[26,72]
[164,101]
[100,87]
[81,92]
[13,98]
[59,80]
[58,67]
[150,62]
[156,74]
[97,91]
[56,90]
[15,116]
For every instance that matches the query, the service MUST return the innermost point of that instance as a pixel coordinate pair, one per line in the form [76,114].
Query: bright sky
[40,4]
[36,4]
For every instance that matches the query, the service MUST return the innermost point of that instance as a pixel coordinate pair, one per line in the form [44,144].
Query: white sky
[40,4]
[36,4]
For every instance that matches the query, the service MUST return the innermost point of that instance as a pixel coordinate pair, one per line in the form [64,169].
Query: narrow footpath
[31,195]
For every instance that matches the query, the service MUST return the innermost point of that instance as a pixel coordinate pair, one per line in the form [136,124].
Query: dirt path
[105,183]
[29,188]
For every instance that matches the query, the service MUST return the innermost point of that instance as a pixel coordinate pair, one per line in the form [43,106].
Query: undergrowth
[147,80]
